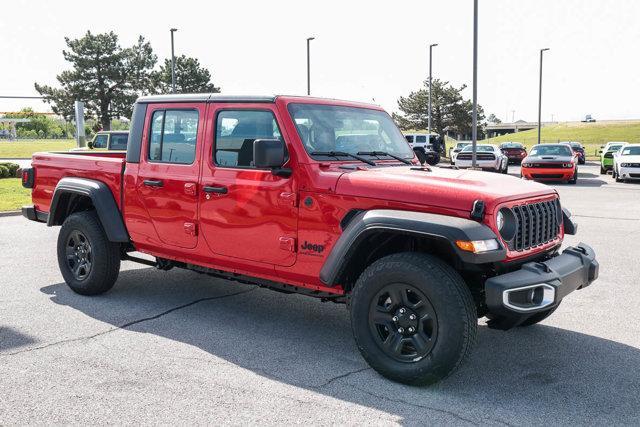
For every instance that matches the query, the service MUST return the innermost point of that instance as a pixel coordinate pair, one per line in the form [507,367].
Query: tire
[88,261]
[506,168]
[438,295]
[603,171]
[575,177]
[538,317]
[422,157]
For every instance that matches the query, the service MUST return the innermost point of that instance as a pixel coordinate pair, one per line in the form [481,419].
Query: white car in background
[488,157]
[453,151]
[626,163]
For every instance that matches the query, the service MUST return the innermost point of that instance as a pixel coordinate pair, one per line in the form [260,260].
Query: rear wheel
[603,171]
[88,261]
[413,318]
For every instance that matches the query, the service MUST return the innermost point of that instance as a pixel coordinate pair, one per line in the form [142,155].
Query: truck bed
[105,166]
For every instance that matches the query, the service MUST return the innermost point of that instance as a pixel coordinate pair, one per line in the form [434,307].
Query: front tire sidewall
[105,255]
[451,300]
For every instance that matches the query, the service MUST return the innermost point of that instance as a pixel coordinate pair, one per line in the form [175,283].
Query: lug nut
[411,329]
[402,311]
[400,330]
[394,318]
[412,317]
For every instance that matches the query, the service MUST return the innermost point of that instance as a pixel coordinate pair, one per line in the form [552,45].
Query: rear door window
[173,136]
[118,141]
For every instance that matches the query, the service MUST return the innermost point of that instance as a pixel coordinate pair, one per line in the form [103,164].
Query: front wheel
[88,261]
[574,178]
[413,318]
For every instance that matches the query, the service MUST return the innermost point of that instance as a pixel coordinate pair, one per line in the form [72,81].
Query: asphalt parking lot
[178,347]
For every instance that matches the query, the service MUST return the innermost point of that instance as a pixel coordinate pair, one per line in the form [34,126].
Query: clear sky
[364,50]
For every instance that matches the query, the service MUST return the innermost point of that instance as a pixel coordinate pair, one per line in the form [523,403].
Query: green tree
[39,125]
[107,77]
[493,119]
[449,109]
[191,77]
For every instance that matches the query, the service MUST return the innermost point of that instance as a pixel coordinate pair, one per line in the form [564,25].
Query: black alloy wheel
[403,322]
[79,255]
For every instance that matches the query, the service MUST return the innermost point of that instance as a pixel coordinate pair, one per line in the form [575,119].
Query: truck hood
[442,187]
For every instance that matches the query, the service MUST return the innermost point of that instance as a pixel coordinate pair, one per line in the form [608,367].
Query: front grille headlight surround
[507,224]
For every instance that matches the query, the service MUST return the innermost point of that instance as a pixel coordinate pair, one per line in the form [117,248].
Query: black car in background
[514,151]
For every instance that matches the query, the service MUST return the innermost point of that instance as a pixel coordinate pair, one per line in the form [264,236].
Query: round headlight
[500,220]
[506,223]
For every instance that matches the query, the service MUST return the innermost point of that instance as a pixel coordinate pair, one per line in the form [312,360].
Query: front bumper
[629,173]
[554,174]
[539,286]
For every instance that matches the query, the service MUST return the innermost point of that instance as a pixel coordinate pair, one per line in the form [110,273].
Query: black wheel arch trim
[102,199]
[442,227]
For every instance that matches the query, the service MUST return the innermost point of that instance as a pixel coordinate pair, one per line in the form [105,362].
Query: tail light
[28,177]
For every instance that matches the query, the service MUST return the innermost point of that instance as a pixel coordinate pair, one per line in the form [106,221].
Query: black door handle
[153,182]
[210,189]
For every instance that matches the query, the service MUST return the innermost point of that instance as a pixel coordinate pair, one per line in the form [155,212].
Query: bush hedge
[8,170]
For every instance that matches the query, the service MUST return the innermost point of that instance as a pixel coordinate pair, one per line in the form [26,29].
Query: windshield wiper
[342,154]
[384,153]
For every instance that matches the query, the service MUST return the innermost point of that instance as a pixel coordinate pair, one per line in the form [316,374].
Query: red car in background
[553,162]
[514,151]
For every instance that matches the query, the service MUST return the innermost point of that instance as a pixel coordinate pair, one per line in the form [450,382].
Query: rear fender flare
[101,198]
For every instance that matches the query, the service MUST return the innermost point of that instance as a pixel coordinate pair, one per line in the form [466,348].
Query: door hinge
[288,244]
[191,228]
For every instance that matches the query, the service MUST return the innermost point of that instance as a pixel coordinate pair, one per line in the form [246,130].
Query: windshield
[479,149]
[119,141]
[461,145]
[631,151]
[576,145]
[511,145]
[614,147]
[326,128]
[551,150]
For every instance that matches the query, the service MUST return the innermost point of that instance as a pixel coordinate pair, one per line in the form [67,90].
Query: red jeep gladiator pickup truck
[320,197]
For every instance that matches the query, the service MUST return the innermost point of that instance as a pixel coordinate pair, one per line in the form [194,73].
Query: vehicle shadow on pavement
[534,375]
[10,338]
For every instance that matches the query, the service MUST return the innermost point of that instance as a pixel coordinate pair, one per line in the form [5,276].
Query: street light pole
[474,120]
[431,46]
[173,63]
[540,96]
[309,64]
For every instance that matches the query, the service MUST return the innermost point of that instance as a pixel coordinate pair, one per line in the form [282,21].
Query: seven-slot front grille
[537,224]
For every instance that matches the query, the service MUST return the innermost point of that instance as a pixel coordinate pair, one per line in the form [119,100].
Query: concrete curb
[10,213]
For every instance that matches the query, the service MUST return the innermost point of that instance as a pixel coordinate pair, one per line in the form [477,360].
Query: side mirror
[90,144]
[268,153]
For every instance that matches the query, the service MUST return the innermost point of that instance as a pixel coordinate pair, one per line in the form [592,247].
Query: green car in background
[606,155]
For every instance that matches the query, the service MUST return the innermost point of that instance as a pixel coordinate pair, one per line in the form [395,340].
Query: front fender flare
[445,228]
[102,200]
